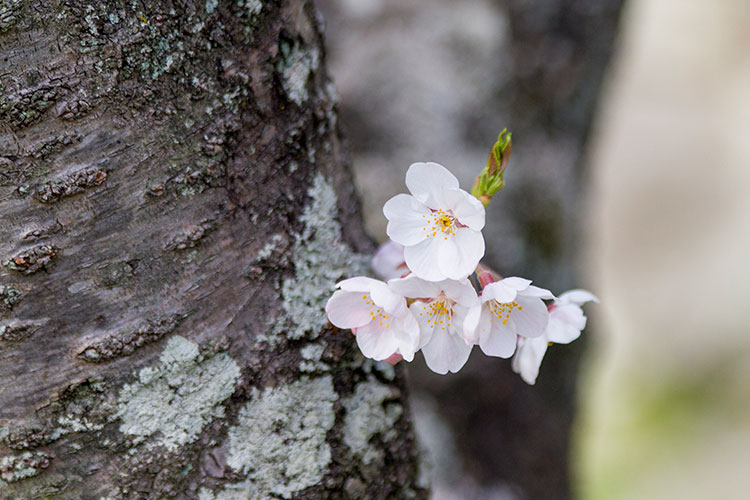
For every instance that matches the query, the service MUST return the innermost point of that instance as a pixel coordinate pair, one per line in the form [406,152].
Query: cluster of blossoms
[429,304]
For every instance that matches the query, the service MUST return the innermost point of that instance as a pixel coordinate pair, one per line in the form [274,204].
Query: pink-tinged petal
[388,261]
[472,323]
[349,309]
[578,297]
[421,313]
[470,245]
[358,284]
[414,287]
[535,291]
[446,353]
[375,341]
[407,220]
[500,292]
[500,341]
[392,303]
[428,183]
[531,317]
[422,259]
[467,209]
[448,257]
[529,357]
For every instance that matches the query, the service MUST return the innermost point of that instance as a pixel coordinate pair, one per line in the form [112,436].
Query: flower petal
[349,309]
[407,219]
[499,291]
[470,245]
[428,183]
[448,257]
[529,357]
[535,291]
[532,319]
[414,287]
[446,352]
[473,324]
[500,341]
[565,324]
[392,303]
[358,284]
[375,341]
[467,209]
[421,313]
[422,259]
[462,291]
[578,297]
[388,261]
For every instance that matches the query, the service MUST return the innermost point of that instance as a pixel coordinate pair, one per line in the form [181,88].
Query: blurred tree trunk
[176,208]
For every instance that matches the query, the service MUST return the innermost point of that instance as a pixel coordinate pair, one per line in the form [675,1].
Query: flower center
[440,223]
[377,314]
[503,310]
[439,312]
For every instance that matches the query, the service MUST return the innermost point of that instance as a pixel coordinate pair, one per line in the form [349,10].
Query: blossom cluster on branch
[428,303]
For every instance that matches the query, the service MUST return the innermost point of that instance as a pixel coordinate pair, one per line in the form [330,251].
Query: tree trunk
[176,208]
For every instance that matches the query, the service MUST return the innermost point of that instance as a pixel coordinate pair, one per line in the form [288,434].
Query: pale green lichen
[368,414]
[279,442]
[174,400]
[311,358]
[320,259]
[211,6]
[27,464]
[295,67]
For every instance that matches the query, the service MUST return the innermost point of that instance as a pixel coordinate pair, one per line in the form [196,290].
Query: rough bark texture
[437,84]
[175,210]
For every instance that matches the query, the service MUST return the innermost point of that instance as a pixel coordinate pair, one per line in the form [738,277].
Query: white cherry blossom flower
[510,308]
[438,224]
[566,320]
[388,261]
[378,316]
[441,309]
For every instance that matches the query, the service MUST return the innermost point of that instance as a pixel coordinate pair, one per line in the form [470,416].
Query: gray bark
[176,208]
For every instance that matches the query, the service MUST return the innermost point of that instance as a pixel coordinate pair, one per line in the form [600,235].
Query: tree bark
[176,208]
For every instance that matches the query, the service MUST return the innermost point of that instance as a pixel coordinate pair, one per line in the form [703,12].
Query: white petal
[470,245]
[414,287]
[421,313]
[467,209]
[500,341]
[529,357]
[578,297]
[422,260]
[407,336]
[391,302]
[376,341]
[532,319]
[358,284]
[473,324]
[535,291]
[462,291]
[388,261]
[448,257]
[407,219]
[446,352]
[499,291]
[516,283]
[565,323]
[349,309]
[428,182]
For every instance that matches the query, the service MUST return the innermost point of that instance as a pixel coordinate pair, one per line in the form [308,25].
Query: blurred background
[630,176]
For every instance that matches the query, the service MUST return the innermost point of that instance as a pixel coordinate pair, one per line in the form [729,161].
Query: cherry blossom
[388,261]
[438,224]
[378,316]
[510,308]
[441,310]
[566,320]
